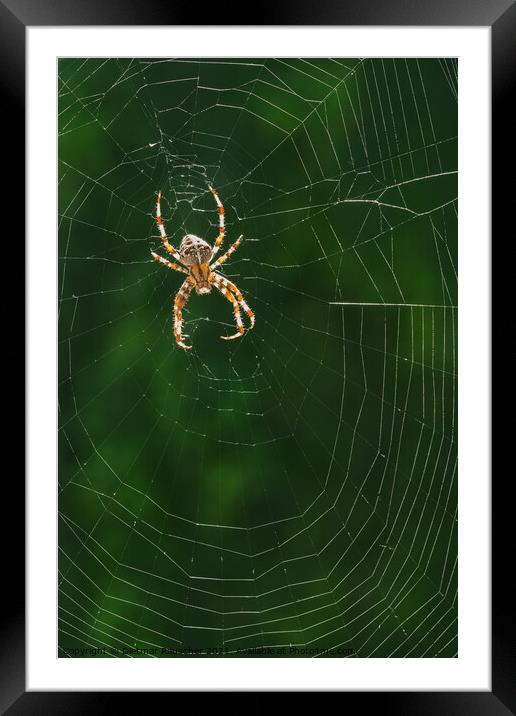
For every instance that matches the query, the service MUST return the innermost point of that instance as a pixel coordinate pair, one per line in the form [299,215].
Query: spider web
[293,491]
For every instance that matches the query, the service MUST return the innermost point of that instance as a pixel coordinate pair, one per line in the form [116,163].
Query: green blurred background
[296,486]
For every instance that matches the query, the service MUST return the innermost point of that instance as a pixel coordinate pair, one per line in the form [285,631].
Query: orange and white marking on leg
[220,282]
[168,264]
[228,253]
[180,300]
[220,209]
[161,227]
[242,302]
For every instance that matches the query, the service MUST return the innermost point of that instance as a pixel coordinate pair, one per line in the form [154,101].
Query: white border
[471,671]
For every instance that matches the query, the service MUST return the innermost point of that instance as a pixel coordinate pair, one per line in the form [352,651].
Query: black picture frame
[500,15]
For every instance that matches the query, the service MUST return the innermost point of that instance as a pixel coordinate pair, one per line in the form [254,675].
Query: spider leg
[161,227]
[220,209]
[169,264]
[228,253]
[181,298]
[233,288]
[218,282]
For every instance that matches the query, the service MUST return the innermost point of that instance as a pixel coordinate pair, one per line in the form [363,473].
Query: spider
[195,256]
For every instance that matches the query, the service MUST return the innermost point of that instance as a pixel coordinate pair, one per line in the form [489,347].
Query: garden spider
[197,255]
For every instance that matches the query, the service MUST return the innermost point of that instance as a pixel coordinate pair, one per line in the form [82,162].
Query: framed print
[304,505]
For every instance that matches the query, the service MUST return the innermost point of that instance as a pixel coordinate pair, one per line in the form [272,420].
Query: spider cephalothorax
[195,256]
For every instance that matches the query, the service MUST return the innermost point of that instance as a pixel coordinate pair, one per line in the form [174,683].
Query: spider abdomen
[194,250]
